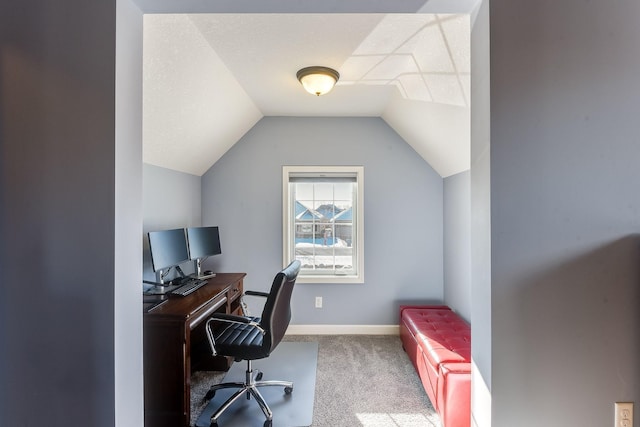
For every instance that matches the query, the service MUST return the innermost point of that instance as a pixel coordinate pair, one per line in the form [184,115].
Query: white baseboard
[343,330]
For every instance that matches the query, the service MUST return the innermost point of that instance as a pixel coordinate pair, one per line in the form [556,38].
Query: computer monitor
[168,249]
[203,242]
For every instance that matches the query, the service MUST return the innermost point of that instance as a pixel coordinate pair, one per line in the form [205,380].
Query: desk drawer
[235,291]
[234,295]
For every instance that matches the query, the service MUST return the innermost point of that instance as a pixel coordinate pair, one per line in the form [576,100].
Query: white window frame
[288,247]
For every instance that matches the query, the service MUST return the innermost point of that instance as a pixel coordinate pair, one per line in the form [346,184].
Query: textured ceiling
[208,78]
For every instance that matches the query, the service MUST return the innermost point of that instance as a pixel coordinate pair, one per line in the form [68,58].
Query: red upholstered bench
[438,342]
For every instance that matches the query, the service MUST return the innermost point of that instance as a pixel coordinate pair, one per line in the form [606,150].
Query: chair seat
[243,342]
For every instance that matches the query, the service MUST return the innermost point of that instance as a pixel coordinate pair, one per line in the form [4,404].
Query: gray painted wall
[457,243]
[242,193]
[565,152]
[128,363]
[552,69]
[170,200]
[481,401]
[57,192]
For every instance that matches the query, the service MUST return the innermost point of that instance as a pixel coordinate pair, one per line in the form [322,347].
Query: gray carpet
[362,380]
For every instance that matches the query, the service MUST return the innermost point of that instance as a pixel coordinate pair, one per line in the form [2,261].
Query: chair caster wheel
[268,423]
[288,390]
[213,424]
[259,376]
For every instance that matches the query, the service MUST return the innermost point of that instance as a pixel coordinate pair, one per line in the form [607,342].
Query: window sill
[330,279]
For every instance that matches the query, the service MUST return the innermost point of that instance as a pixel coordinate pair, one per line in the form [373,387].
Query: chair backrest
[276,313]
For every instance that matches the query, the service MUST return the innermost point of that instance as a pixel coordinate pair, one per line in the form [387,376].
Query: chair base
[250,388]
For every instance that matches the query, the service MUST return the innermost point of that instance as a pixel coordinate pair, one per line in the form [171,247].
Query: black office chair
[251,338]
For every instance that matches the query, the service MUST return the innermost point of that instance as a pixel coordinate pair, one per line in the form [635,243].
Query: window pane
[324,226]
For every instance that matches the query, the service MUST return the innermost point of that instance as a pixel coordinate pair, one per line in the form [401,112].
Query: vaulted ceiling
[208,78]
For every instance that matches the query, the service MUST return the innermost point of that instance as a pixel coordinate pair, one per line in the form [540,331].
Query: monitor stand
[158,288]
[199,274]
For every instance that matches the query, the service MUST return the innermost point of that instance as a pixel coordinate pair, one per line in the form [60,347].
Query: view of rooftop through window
[324,225]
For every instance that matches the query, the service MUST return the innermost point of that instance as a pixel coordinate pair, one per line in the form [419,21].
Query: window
[323,222]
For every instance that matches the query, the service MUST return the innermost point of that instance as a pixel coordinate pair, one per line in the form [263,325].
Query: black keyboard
[188,286]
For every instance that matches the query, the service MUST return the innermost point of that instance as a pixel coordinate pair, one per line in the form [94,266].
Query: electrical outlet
[624,414]
[318,302]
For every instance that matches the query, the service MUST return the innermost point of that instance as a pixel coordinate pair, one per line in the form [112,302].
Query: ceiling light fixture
[318,80]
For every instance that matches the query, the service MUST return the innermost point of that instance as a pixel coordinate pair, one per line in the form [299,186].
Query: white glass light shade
[318,80]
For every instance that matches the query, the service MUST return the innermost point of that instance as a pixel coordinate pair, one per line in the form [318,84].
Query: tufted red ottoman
[438,342]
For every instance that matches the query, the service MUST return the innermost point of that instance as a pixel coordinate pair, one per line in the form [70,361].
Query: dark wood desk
[175,344]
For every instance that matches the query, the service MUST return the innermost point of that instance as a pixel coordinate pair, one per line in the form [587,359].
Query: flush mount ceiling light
[318,80]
